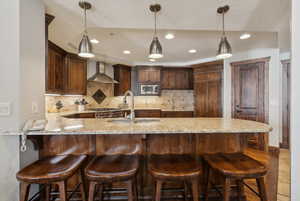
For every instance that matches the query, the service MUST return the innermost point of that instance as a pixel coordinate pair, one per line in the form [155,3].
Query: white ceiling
[128,24]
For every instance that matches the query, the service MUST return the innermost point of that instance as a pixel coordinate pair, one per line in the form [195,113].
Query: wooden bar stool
[235,166]
[52,170]
[112,168]
[175,167]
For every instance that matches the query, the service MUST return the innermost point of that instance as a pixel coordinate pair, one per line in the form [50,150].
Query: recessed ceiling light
[126,52]
[245,36]
[94,40]
[152,60]
[192,51]
[169,36]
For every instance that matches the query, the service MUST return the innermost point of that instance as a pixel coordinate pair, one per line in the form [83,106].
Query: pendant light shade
[156,51]
[224,50]
[85,48]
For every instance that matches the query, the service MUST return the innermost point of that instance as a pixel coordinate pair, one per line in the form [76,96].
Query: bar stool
[235,166]
[54,170]
[107,169]
[173,167]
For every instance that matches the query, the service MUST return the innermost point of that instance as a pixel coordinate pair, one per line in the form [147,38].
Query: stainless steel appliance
[149,89]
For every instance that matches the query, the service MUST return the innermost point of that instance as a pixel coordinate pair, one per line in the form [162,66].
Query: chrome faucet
[127,93]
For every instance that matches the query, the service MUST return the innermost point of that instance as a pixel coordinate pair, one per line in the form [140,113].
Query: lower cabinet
[177,114]
[138,114]
[148,113]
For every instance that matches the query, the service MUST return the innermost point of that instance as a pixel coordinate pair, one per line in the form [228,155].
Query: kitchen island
[147,136]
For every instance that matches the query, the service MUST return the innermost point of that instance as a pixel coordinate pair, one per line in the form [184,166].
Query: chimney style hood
[100,75]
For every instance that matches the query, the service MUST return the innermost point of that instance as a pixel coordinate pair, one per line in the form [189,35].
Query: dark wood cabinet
[177,78]
[122,74]
[147,113]
[75,75]
[66,73]
[177,114]
[208,82]
[148,74]
[55,69]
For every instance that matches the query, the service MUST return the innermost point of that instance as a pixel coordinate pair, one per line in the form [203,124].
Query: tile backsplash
[173,100]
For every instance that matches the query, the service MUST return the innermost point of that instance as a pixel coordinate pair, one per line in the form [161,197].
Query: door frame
[286,72]
[265,60]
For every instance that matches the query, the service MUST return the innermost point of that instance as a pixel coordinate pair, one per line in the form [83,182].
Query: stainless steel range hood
[100,75]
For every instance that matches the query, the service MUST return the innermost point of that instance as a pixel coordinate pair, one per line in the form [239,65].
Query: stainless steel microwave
[149,89]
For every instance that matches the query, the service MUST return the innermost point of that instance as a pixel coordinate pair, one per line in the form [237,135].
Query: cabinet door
[154,75]
[168,79]
[148,75]
[208,93]
[54,70]
[143,76]
[148,113]
[76,74]
[174,78]
[182,79]
[123,75]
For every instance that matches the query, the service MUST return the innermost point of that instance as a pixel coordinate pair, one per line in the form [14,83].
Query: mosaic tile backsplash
[171,100]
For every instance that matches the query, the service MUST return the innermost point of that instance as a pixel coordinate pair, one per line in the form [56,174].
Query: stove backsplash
[173,100]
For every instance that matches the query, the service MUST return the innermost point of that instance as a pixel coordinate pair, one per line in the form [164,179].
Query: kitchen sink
[135,121]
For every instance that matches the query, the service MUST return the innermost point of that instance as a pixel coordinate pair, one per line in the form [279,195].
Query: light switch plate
[4,109]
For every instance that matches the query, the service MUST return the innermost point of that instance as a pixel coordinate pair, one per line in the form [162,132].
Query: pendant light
[224,50]
[155,47]
[85,48]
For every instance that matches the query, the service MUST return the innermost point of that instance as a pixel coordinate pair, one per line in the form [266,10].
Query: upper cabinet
[55,69]
[177,78]
[148,74]
[75,75]
[122,74]
[66,73]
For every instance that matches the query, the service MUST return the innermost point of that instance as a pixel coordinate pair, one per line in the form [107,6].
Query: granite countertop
[58,125]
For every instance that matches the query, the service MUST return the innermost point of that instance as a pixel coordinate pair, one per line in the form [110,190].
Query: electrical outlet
[4,109]
[34,108]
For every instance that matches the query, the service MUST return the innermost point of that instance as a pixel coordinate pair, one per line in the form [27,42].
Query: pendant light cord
[155,23]
[85,27]
[223,14]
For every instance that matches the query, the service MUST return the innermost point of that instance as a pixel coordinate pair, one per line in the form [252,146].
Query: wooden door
[285,143]
[250,95]
[208,84]
[76,79]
